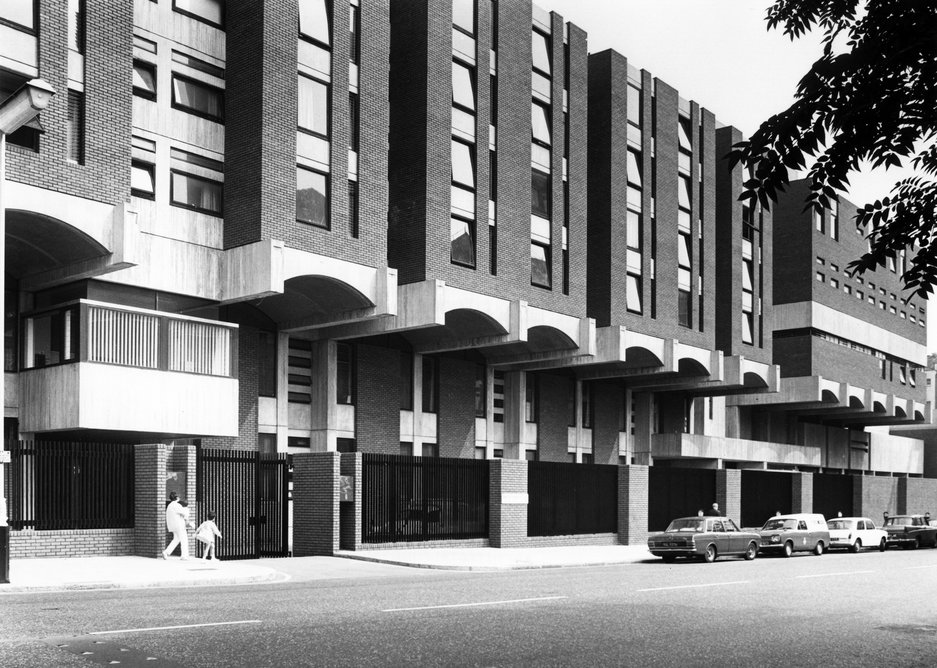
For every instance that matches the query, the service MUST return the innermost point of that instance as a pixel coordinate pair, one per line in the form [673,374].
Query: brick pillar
[903,496]
[643,428]
[729,493]
[802,493]
[351,511]
[315,503]
[149,533]
[508,499]
[633,486]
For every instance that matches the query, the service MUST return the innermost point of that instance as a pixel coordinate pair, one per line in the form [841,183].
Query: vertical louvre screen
[569,499]
[123,337]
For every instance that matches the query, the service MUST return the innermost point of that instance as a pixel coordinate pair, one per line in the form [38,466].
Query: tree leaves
[870,96]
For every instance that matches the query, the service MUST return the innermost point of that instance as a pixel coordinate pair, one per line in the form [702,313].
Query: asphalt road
[839,609]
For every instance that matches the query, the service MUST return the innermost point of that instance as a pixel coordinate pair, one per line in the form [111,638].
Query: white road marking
[695,586]
[823,575]
[472,605]
[912,568]
[170,628]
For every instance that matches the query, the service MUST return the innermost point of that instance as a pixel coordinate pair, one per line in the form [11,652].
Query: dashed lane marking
[696,586]
[826,575]
[474,605]
[171,628]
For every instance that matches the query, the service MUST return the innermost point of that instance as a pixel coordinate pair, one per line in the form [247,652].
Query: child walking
[206,533]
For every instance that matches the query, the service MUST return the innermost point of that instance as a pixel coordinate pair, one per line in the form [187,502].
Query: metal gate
[248,492]
[568,499]
[676,492]
[764,494]
[832,494]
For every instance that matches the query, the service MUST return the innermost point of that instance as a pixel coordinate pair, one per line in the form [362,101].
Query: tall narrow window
[430,389]
[531,397]
[315,21]
[353,209]
[354,121]
[354,32]
[312,200]
[76,127]
[267,364]
[76,24]
[313,106]
[144,80]
[481,390]
[462,237]
[587,407]
[463,15]
[142,179]
[344,374]
[834,220]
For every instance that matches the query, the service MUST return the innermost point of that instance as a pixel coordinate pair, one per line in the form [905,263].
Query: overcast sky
[720,54]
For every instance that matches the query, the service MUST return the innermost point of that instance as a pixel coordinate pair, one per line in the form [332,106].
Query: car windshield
[898,520]
[777,523]
[840,524]
[690,524]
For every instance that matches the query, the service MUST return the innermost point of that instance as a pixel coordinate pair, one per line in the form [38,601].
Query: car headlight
[776,538]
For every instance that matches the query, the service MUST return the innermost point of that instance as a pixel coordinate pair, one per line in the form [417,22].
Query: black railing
[423,498]
[567,499]
[248,492]
[71,486]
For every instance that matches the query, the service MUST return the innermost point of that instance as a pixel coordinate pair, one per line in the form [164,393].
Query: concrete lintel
[253,271]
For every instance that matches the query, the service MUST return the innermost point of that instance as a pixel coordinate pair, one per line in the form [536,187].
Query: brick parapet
[316,503]
[72,543]
[507,518]
[729,493]
[633,489]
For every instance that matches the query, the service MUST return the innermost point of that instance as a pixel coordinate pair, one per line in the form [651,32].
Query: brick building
[303,227]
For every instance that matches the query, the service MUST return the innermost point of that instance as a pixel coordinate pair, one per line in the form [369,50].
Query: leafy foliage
[871,96]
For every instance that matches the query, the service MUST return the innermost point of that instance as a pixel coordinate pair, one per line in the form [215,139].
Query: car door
[734,537]
[720,538]
[801,535]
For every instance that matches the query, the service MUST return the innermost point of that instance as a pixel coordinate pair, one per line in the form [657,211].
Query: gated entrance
[832,494]
[568,499]
[765,493]
[248,492]
[676,492]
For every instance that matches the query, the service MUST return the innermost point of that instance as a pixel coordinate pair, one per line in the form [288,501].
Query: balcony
[89,365]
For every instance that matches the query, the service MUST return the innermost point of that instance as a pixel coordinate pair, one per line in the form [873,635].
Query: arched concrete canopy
[36,243]
[312,295]
[640,357]
[878,407]
[543,338]
[687,366]
[753,380]
[918,415]
[899,412]
[828,396]
[855,402]
[472,323]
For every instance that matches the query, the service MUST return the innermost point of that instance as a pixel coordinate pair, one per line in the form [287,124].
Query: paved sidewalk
[503,559]
[37,575]
[87,573]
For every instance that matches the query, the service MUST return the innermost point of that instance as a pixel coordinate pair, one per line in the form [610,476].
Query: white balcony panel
[120,398]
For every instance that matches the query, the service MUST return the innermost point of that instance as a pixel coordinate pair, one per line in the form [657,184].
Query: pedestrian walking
[205,534]
[176,519]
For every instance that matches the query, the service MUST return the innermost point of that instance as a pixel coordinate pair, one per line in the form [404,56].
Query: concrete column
[729,493]
[802,493]
[633,486]
[323,407]
[508,501]
[515,395]
[643,428]
[149,533]
[316,477]
[903,496]
[351,511]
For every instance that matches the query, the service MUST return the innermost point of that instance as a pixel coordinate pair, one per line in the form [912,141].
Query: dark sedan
[910,531]
[705,537]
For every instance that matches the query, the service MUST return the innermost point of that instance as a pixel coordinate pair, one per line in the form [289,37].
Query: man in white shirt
[175,522]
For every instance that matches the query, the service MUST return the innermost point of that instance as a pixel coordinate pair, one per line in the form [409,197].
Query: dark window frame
[152,69]
[149,167]
[190,207]
[192,110]
[203,19]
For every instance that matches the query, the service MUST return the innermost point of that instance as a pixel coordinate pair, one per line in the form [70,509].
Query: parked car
[910,531]
[798,532]
[855,533]
[706,537]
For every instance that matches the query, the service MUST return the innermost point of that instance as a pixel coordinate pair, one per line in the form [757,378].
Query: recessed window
[463,86]
[540,123]
[315,21]
[540,193]
[463,15]
[20,13]
[539,265]
[462,241]
[144,80]
[634,105]
[834,283]
[463,164]
[313,106]
[312,197]
[353,209]
[633,293]
[142,179]
[344,374]
[747,336]
[197,98]
[634,168]
[683,192]
[684,132]
[208,11]
[430,388]
[196,193]
[75,128]
[540,48]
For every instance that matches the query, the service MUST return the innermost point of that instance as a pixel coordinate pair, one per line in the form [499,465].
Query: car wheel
[856,546]
[917,543]
[710,555]
[818,549]
[788,549]
[882,546]
[751,552]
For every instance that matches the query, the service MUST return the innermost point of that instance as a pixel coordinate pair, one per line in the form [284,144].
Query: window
[481,390]
[299,379]
[208,11]
[345,445]
[539,265]
[531,398]
[429,450]
[463,165]
[354,30]
[344,374]
[406,448]
[354,134]
[683,192]
[540,123]
[312,197]
[406,381]
[587,406]
[197,98]
[462,241]
[313,106]
[463,86]
[51,338]
[315,21]
[353,209]
[267,364]
[142,179]
[818,221]
[633,293]
[195,192]
[834,222]
[463,15]
[76,24]
[75,129]
[144,80]
[540,48]
[634,168]
[21,13]
[684,132]
[430,385]
[540,191]
[497,398]
[634,105]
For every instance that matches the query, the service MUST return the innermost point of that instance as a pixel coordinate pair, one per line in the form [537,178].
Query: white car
[856,533]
